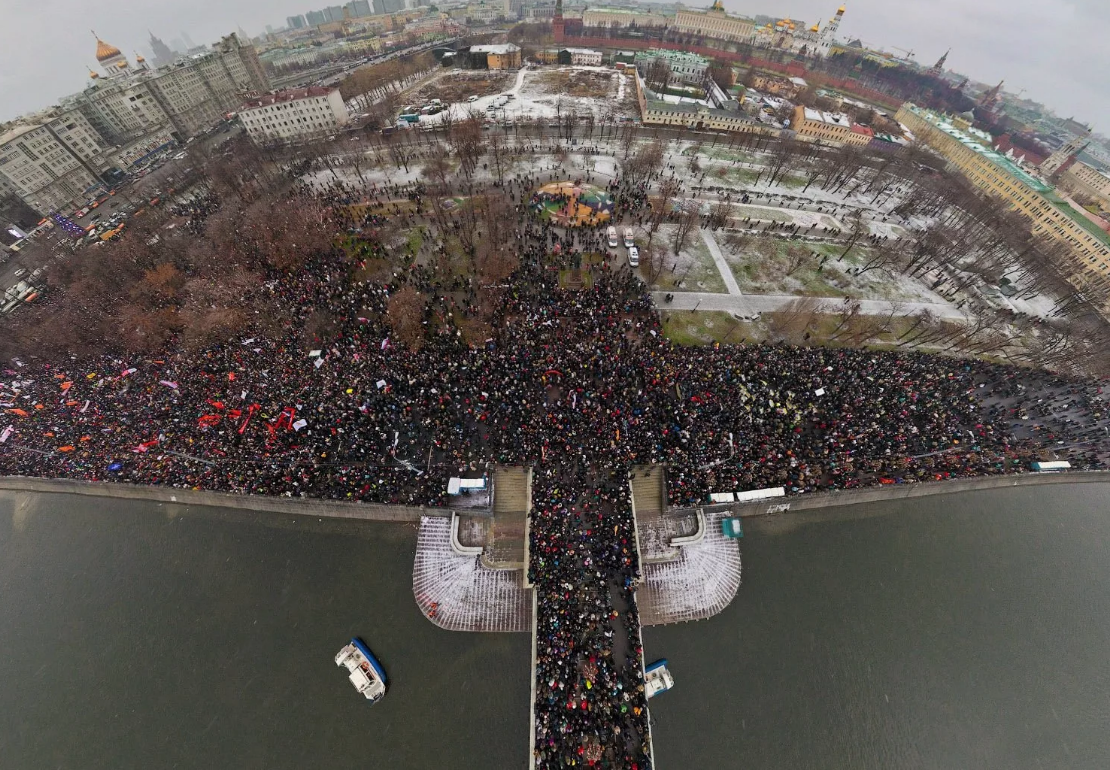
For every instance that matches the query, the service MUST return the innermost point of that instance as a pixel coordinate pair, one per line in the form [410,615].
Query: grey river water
[962,631]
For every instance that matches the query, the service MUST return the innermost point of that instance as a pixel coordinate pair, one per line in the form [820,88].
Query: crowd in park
[564,375]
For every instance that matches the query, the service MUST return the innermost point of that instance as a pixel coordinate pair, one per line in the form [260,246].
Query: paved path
[722,265]
[750,304]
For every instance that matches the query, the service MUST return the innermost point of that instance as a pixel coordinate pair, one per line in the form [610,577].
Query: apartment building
[294,114]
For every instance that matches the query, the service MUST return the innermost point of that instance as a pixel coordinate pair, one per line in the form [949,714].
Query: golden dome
[93,75]
[814,28]
[840,11]
[140,59]
[105,50]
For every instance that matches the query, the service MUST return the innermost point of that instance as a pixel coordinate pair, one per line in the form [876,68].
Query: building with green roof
[969,151]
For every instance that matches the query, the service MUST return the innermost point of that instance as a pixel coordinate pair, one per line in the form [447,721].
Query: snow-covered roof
[495,49]
[832,118]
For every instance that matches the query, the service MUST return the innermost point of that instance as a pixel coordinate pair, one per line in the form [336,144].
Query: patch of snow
[698,585]
[457,593]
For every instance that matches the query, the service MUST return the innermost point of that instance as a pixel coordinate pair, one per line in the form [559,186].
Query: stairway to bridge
[512,499]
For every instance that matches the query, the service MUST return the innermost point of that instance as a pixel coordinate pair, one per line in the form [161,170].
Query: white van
[633,256]
[612,233]
[472,98]
[628,242]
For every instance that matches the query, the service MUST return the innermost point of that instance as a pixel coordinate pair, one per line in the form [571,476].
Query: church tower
[1065,156]
[111,58]
[938,68]
[991,96]
[827,36]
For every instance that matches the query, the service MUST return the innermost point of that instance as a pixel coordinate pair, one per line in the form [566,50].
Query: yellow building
[1085,180]
[498,57]
[699,117]
[715,24]
[620,18]
[830,127]
[995,174]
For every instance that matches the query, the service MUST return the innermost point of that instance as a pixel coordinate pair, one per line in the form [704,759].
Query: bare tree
[405,314]
[687,220]
[660,207]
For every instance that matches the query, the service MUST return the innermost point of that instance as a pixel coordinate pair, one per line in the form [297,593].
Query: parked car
[633,257]
[20,272]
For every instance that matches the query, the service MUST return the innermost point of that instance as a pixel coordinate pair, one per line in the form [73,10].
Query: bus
[1054,466]
[612,233]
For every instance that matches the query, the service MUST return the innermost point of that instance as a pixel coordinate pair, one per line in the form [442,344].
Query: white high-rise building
[295,114]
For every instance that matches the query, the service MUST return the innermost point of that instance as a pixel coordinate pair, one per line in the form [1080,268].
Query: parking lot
[23,273]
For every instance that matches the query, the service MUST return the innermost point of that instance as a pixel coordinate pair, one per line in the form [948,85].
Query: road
[751,304]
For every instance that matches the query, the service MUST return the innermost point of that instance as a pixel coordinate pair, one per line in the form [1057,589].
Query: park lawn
[414,241]
[725,154]
[762,269]
[694,266]
[692,328]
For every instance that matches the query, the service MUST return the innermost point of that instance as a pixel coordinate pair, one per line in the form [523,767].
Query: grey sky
[1052,48]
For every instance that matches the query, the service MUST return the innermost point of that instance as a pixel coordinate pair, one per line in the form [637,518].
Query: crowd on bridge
[590,706]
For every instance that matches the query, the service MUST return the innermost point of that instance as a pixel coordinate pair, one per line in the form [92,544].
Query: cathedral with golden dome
[113,62]
[788,35]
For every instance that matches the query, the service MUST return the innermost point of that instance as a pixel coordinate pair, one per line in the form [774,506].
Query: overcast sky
[1055,49]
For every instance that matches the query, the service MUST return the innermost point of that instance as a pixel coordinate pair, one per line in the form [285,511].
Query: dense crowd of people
[590,705]
[580,384]
[565,375]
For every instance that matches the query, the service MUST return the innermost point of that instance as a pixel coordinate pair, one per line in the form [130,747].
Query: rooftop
[15,132]
[628,11]
[1083,221]
[832,118]
[666,53]
[502,49]
[977,146]
[288,95]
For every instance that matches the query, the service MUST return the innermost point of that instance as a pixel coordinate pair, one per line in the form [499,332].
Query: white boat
[364,671]
[657,678]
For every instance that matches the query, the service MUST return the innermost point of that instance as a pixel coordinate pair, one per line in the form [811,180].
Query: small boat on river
[657,679]
[363,669]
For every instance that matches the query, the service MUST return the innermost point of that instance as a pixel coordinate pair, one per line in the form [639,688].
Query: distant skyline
[1051,48]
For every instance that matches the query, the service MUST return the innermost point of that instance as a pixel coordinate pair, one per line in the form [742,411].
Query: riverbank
[335,509]
[842,498]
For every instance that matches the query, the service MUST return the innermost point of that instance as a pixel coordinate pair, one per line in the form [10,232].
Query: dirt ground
[585,83]
[459,86]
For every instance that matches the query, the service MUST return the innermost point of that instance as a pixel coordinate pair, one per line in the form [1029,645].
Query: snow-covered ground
[457,593]
[531,99]
[782,203]
[698,585]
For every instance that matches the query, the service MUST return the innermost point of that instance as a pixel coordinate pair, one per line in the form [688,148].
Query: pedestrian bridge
[469,573]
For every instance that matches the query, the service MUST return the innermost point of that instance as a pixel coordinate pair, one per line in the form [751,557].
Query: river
[958,631]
